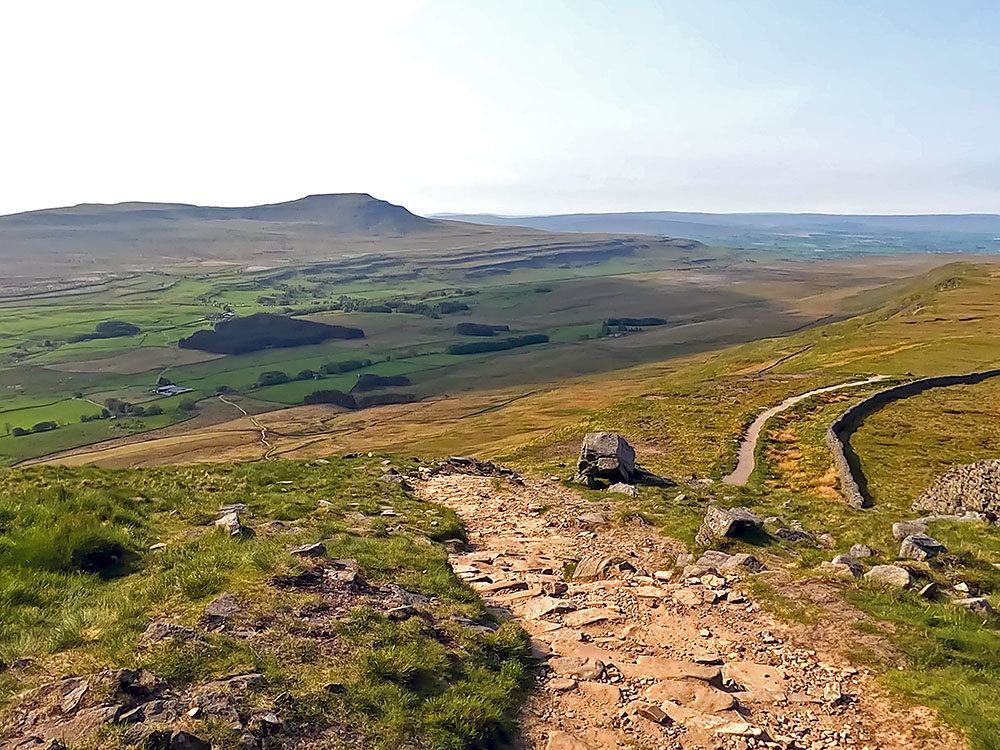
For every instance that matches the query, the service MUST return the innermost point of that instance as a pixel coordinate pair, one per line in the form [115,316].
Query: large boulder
[719,523]
[607,456]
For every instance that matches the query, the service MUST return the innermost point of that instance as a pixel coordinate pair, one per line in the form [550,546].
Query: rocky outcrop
[838,434]
[970,487]
[719,523]
[606,456]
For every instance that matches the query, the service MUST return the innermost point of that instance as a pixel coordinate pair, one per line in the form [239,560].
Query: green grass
[80,584]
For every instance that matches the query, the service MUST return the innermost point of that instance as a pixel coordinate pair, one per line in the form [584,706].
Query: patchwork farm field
[59,370]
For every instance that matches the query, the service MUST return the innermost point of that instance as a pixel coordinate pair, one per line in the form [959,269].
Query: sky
[505,106]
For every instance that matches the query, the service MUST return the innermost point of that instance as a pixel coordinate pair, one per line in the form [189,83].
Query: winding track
[748,446]
[263,430]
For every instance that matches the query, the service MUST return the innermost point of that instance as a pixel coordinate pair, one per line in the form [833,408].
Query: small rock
[620,488]
[719,523]
[181,740]
[889,575]
[920,547]
[903,529]
[561,684]
[231,523]
[651,712]
[581,668]
[310,550]
[975,604]
[928,591]
[164,630]
[222,609]
[850,562]
[859,551]
[592,568]
[740,564]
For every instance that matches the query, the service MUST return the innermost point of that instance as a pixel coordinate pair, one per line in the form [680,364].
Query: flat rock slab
[546,605]
[660,668]
[580,668]
[590,616]
[694,694]
[752,676]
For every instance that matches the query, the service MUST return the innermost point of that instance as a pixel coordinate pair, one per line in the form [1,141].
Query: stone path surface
[636,654]
[748,445]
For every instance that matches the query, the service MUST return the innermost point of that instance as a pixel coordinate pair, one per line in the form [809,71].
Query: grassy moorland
[82,580]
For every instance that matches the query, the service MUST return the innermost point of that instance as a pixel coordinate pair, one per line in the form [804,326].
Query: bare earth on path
[635,657]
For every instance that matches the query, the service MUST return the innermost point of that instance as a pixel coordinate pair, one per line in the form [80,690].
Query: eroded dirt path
[635,657]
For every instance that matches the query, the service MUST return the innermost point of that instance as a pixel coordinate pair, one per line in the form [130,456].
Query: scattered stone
[71,700]
[928,591]
[691,693]
[850,562]
[561,684]
[222,609]
[920,547]
[578,667]
[720,523]
[740,564]
[310,550]
[159,631]
[650,712]
[889,575]
[592,568]
[545,605]
[972,487]
[903,529]
[231,523]
[860,551]
[975,604]
[584,617]
[181,740]
[620,488]
[793,535]
[559,740]
[606,455]
[840,570]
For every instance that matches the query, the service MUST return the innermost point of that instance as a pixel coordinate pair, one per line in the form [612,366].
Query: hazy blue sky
[512,106]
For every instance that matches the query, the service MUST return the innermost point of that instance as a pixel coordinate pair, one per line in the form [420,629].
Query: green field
[46,376]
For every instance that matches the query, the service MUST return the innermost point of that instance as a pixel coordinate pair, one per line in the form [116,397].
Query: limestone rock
[606,455]
[903,529]
[231,523]
[578,667]
[889,575]
[920,547]
[859,551]
[971,487]
[719,523]
[222,609]
[975,604]
[310,550]
[850,561]
[620,488]
[592,568]
[841,570]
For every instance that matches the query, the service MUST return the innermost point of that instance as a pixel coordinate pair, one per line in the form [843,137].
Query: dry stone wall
[852,481]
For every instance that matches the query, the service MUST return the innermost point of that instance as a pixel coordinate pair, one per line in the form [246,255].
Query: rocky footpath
[971,487]
[641,646]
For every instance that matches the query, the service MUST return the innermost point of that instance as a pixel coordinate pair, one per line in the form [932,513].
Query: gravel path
[748,446]
[632,655]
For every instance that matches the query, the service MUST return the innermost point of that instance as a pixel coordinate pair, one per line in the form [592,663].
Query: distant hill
[92,241]
[680,223]
[346,213]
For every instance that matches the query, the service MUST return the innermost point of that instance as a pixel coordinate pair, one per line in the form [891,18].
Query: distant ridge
[709,227]
[347,213]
